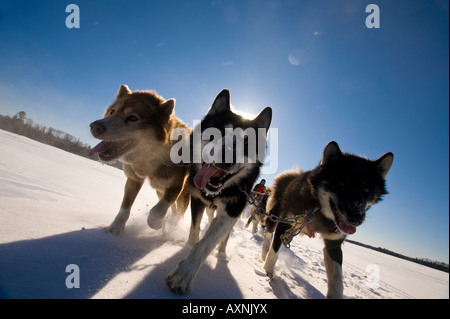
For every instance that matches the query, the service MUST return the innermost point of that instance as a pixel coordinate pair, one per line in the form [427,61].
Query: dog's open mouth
[343,226]
[109,151]
[210,179]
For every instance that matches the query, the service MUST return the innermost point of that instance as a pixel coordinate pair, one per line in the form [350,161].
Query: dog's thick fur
[136,131]
[215,186]
[342,187]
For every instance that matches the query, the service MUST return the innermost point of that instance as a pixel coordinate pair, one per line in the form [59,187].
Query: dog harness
[298,223]
[296,228]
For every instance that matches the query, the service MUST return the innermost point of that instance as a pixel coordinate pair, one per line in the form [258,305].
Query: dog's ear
[264,119]
[384,163]
[168,106]
[331,153]
[123,91]
[221,103]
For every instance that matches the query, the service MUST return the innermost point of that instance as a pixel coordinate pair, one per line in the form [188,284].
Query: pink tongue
[348,229]
[204,174]
[100,148]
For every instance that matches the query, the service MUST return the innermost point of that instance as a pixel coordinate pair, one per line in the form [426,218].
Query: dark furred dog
[229,144]
[340,190]
[255,218]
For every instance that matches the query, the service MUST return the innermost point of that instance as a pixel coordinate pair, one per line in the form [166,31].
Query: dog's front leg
[159,211]
[332,253]
[181,279]
[272,256]
[197,208]
[132,188]
[223,244]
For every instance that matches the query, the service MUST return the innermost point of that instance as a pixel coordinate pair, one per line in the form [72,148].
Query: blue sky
[326,75]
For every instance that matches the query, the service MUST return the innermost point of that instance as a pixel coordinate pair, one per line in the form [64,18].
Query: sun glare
[247,115]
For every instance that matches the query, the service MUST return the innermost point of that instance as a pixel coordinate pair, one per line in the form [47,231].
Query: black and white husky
[232,150]
[336,195]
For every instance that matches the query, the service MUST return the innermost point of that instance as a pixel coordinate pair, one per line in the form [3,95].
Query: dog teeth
[218,186]
[211,194]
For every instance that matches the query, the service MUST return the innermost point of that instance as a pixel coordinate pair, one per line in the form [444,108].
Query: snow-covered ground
[54,206]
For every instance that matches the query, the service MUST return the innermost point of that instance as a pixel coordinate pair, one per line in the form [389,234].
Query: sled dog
[215,181]
[255,217]
[136,131]
[335,196]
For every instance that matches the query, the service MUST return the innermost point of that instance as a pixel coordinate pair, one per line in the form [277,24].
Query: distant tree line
[22,125]
[422,261]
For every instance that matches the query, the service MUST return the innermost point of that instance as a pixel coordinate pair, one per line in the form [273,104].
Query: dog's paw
[269,270]
[157,213]
[114,229]
[178,283]
[192,240]
[154,221]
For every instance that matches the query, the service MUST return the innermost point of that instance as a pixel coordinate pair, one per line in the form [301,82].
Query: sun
[244,114]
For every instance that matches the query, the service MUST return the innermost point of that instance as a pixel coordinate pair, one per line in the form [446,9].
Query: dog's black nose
[97,129]
[355,219]
[356,213]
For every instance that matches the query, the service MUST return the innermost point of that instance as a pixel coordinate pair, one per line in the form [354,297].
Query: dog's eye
[131,118]
[365,188]
[112,112]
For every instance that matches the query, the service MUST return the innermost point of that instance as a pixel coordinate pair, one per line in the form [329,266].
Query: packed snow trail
[54,206]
